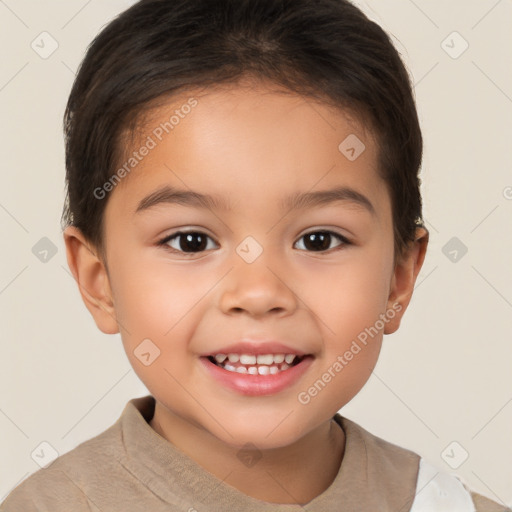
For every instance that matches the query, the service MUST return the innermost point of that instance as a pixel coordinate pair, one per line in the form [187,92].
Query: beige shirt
[131,468]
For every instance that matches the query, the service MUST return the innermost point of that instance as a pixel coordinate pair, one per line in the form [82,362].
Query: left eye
[319,241]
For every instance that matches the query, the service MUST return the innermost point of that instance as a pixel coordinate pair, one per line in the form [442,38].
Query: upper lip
[257,348]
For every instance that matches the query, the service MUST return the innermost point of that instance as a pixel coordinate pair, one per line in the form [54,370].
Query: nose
[257,289]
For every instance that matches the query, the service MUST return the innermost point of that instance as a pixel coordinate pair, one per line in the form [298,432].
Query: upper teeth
[265,359]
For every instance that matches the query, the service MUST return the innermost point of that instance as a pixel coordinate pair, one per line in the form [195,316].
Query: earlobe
[406,271]
[92,279]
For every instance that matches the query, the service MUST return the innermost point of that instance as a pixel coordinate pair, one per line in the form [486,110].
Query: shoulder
[63,485]
[431,488]
[381,455]
[441,490]
[483,504]
[384,472]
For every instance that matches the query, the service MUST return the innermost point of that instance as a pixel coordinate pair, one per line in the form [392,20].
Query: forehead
[239,141]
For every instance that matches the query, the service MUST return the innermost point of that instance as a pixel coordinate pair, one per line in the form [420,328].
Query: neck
[294,474]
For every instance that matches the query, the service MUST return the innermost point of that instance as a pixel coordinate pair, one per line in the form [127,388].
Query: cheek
[157,314]
[352,333]
[351,296]
[152,299]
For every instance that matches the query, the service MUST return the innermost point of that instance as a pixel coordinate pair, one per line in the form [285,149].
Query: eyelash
[165,241]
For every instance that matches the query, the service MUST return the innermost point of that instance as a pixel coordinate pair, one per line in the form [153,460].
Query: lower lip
[257,385]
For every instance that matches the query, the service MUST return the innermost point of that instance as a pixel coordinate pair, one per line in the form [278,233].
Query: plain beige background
[443,384]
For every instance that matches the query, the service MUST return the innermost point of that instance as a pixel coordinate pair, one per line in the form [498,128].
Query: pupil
[317,241]
[192,247]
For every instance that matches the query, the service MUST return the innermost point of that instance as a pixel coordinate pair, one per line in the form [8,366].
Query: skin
[252,145]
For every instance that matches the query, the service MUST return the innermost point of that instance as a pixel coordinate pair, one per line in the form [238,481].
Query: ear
[406,271]
[92,278]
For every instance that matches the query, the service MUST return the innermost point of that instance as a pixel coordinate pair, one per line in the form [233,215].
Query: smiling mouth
[262,364]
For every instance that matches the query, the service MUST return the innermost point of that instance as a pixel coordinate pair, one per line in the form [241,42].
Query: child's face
[256,276]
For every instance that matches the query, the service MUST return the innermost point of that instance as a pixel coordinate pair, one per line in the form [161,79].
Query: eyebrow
[171,195]
[326,197]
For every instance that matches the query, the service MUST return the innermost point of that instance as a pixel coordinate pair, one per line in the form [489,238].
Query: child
[260,130]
